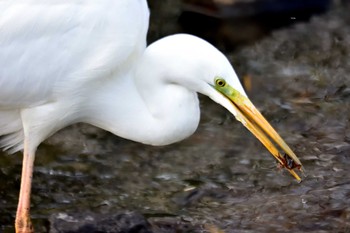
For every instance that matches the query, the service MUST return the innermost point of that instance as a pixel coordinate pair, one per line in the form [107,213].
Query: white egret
[68,61]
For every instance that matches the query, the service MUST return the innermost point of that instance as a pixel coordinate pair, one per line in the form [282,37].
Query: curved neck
[144,109]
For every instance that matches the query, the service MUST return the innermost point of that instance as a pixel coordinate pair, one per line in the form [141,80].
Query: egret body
[63,62]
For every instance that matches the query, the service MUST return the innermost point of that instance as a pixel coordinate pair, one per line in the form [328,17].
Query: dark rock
[128,222]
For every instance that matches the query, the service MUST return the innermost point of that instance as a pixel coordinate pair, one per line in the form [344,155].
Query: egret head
[198,66]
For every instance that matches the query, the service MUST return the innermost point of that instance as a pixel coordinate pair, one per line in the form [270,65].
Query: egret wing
[49,47]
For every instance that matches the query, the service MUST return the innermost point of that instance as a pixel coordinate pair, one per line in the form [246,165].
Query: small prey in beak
[254,121]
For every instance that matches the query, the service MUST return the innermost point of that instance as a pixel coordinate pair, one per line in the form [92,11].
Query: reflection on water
[221,175]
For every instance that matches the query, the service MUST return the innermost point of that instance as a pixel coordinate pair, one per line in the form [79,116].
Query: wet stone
[127,222]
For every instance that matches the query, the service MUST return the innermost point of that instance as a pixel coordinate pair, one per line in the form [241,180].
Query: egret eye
[220,82]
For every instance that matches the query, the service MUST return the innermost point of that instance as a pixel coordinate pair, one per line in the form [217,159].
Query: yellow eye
[220,82]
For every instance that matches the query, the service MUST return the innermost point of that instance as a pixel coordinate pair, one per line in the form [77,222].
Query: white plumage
[57,51]
[68,61]
[75,62]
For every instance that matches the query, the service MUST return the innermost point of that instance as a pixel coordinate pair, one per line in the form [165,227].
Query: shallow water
[220,176]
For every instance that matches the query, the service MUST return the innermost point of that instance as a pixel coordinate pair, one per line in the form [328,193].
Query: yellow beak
[254,121]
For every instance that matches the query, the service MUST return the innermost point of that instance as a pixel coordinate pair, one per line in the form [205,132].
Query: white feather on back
[47,46]
[51,48]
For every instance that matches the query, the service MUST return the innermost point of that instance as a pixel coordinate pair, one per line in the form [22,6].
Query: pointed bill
[254,121]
